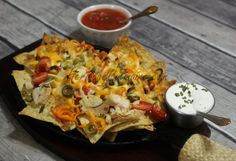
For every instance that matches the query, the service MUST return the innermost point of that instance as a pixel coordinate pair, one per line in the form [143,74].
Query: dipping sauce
[104,19]
[188,98]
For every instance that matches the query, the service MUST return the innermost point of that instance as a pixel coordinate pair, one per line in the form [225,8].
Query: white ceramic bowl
[104,38]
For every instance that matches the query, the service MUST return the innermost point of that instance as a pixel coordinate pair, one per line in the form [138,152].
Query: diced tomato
[102,55]
[39,78]
[158,113]
[153,111]
[76,100]
[43,65]
[92,77]
[85,90]
[145,106]
[87,46]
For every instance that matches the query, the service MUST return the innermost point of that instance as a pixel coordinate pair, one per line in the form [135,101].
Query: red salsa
[104,19]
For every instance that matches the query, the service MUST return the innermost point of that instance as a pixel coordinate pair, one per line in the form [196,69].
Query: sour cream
[188,98]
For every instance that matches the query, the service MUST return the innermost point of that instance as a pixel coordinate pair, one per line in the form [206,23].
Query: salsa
[104,19]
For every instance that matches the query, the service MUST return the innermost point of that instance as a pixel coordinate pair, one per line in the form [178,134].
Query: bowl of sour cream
[185,100]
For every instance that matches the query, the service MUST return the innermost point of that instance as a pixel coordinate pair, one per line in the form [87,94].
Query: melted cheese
[54,57]
[131,60]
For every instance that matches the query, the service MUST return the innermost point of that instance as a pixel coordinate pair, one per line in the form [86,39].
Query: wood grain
[215,9]
[5,50]
[231,2]
[198,26]
[20,29]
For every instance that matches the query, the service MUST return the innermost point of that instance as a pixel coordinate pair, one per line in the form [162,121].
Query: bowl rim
[99,6]
[181,113]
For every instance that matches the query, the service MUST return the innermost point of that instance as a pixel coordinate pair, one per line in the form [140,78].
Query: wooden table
[197,39]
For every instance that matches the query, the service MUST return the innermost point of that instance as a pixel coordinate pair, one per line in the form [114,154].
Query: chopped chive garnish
[177,94]
[204,89]
[189,93]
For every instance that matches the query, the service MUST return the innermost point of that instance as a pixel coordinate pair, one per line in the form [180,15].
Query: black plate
[41,131]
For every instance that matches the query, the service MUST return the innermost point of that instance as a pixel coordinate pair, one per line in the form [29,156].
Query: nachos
[74,86]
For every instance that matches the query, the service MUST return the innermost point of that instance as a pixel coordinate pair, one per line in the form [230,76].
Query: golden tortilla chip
[139,120]
[201,148]
[128,46]
[22,79]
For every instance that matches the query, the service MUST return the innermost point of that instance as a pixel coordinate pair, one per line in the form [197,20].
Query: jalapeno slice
[67,91]
[90,129]
[133,98]
[148,77]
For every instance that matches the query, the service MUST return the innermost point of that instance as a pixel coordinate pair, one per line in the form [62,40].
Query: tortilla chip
[139,120]
[128,46]
[94,137]
[25,57]
[147,127]
[201,148]
[22,78]
[41,113]
[51,39]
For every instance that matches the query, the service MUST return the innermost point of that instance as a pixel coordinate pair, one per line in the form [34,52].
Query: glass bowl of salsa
[100,24]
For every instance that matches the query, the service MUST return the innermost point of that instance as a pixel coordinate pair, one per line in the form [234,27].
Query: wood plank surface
[231,2]
[191,23]
[4,49]
[216,9]
[188,58]
[20,29]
